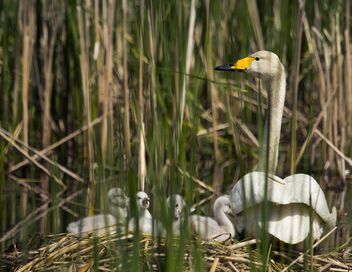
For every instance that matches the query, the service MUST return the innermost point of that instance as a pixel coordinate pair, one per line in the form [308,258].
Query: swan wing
[289,223]
[300,188]
[305,189]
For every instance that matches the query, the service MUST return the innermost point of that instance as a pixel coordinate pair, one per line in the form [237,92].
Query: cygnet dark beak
[145,202]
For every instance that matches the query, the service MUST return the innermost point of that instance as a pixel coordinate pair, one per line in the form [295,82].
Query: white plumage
[176,206]
[100,224]
[118,204]
[146,223]
[219,229]
[294,199]
[104,223]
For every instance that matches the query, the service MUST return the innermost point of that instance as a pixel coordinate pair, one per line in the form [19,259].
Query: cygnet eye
[257,58]
[139,198]
[176,205]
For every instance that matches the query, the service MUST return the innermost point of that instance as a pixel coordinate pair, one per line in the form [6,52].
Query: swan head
[143,200]
[176,204]
[263,64]
[223,204]
[117,197]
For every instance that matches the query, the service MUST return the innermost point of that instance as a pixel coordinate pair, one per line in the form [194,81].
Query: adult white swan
[294,199]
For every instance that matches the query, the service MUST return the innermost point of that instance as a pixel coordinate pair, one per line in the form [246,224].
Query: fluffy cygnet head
[177,205]
[117,197]
[223,204]
[263,64]
[143,200]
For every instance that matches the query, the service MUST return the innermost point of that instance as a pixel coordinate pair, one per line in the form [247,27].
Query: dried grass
[69,253]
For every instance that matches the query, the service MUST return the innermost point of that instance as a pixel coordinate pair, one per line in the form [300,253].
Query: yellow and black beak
[240,65]
[226,67]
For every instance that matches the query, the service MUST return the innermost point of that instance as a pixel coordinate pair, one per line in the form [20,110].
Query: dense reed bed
[98,94]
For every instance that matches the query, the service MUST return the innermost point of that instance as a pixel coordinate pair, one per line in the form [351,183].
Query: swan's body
[146,223]
[287,223]
[294,199]
[177,206]
[221,229]
[100,224]
[104,223]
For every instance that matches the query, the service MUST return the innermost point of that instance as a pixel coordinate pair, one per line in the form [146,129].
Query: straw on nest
[67,252]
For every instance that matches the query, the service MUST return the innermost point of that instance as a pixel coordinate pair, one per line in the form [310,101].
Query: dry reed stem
[28,26]
[100,51]
[348,62]
[331,261]
[68,249]
[217,172]
[142,165]
[37,190]
[188,59]
[23,152]
[214,265]
[232,266]
[240,260]
[315,126]
[211,130]
[197,181]
[334,148]
[83,26]
[127,130]
[245,130]
[243,244]
[314,246]
[152,68]
[16,134]
[201,202]
[46,150]
[5,133]
[47,47]
[255,20]
[295,79]
[108,38]
[35,215]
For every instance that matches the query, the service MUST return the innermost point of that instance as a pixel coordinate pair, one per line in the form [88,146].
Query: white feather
[220,229]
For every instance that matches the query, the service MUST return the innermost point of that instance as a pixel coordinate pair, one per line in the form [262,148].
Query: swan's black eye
[176,205]
[257,58]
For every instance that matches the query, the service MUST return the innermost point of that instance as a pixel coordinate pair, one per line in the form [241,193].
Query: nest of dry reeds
[66,252]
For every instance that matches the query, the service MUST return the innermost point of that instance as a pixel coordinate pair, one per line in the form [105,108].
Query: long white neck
[145,214]
[223,221]
[276,100]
